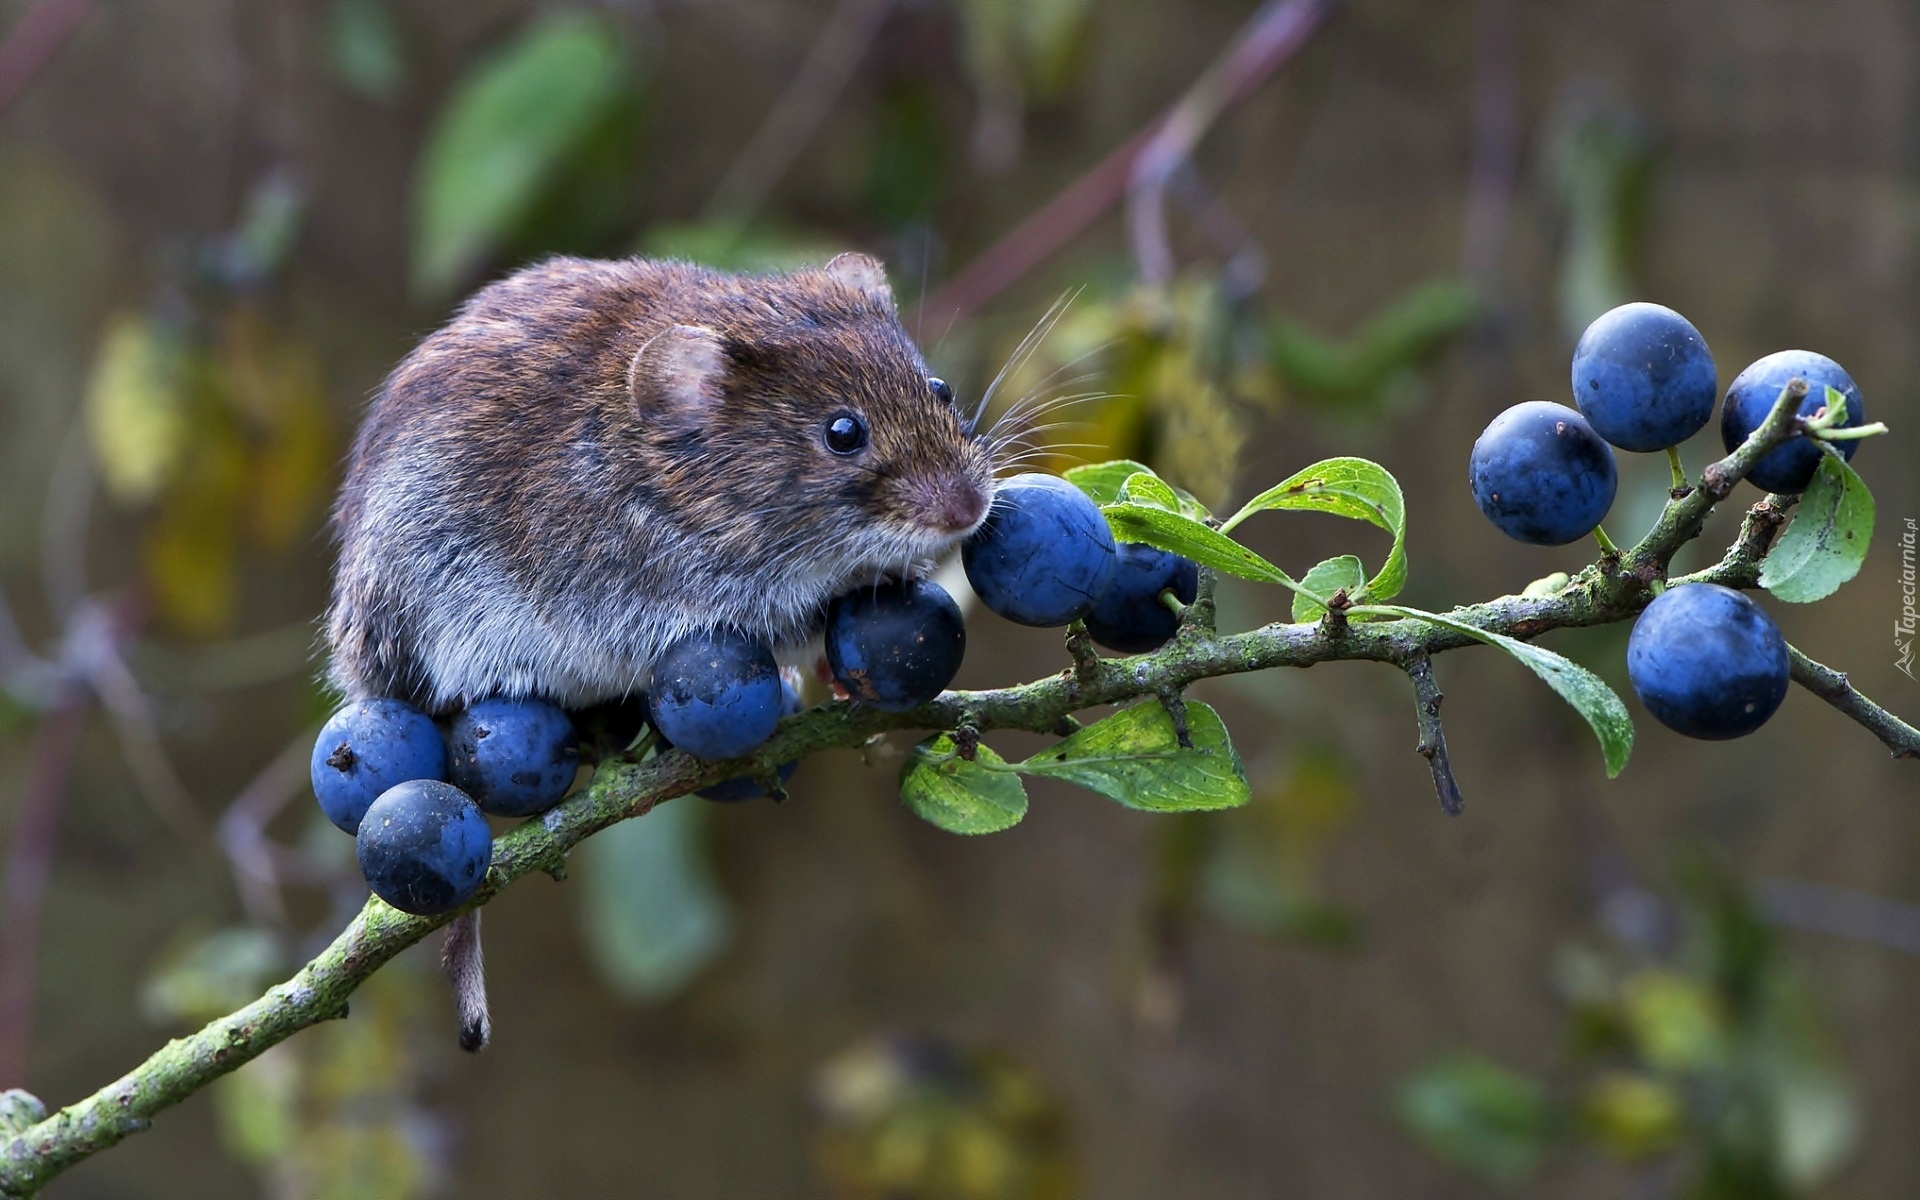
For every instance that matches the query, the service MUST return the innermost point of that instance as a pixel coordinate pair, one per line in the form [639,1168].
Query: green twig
[623,788]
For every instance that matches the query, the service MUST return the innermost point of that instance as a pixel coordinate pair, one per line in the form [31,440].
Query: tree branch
[1902,739]
[1614,590]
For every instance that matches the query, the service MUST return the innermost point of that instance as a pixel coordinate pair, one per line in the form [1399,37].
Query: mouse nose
[957,505]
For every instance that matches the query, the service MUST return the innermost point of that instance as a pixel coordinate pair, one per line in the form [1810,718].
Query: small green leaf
[1478,1115]
[1186,536]
[1326,578]
[1345,487]
[981,796]
[1135,757]
[1587,692]
[499,140]
[1144,487]
[1103,481]
[654,913]
[1827,541]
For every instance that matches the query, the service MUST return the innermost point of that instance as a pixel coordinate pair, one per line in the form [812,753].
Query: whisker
[1022,352]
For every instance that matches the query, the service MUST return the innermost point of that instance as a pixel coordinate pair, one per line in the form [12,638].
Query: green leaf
[1135,757]
[1186,536]
[1325,579]
[1587,692]
[1144,487]
[655,916]
[498,142]
[1478,1115]
[982,796]
[1103,481]
[1345,487]
[1827,541]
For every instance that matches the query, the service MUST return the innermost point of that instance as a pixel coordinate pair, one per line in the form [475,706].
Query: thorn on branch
[1433,737]
[1086,659]
[1201,614]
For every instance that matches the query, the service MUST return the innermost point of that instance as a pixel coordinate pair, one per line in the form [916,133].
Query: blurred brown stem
[1061,219]
[797,115]
[29,866]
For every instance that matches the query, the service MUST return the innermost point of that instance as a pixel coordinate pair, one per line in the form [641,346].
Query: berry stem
[1607,547]
[1679,471]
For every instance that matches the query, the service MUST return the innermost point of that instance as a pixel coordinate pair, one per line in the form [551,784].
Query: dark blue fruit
[715,694]
[1708,662]
[1542,474]
[1788,467]
[1044,553]
[1644,378]
[424,847]
[366,748]
[745,787]
[896,646]
[1130,616]
[514,757]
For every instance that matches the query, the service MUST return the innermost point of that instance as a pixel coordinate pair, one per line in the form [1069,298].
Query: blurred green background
[221,223]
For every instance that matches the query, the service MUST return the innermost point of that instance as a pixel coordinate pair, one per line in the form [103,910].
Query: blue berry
[1708,662]
[1644,378]
[424,847]
[1044,553]
[715,694]
[366,748]
[1789,467]
[514,757]
[895,646]
[745,787]
[1542,475]
[1130,616]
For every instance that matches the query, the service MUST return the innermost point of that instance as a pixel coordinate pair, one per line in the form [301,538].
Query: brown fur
[595,458]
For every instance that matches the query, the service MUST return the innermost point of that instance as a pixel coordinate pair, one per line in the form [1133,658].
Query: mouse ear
[682,366]
[863,273]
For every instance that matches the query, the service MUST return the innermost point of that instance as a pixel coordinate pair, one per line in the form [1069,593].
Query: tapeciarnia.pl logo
[1904,625]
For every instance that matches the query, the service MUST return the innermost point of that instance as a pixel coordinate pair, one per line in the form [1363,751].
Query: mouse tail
[465,966]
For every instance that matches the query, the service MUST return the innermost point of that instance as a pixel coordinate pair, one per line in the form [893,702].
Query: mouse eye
[941,389]
[846,434]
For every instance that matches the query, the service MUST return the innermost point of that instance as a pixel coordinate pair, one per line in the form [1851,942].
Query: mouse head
[811,418]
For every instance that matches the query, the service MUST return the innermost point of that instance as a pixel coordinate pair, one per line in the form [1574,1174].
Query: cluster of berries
[416,796]
[1706,660]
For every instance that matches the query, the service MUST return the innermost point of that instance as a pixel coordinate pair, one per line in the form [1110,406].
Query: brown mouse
[594,459]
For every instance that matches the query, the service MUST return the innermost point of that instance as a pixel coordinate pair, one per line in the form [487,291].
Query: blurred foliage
[1262,871]
[1708,1055]
[328,1115]
[1602,162]
[218,434]
[1380,365]
[653,914]
[504,143]
[1176,377]
[918,1118]
[364,48]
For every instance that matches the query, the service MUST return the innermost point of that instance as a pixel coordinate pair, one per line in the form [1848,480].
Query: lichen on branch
[1611,590]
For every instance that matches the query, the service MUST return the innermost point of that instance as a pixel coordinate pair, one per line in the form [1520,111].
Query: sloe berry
[368,747]
[424,847]
[1707,661]
[1044,553]
[1542,475]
